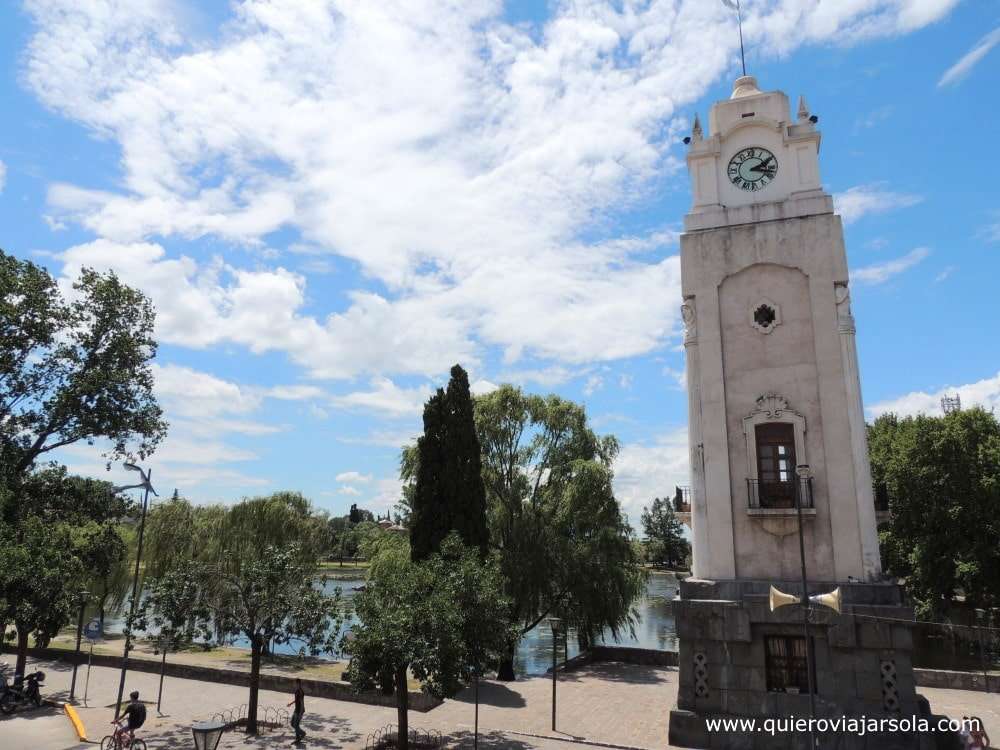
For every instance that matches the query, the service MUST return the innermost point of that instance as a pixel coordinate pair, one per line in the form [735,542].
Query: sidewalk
[609,703]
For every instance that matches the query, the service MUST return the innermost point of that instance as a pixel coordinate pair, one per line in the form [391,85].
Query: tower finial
[696,134]
[803,109]
[735,5]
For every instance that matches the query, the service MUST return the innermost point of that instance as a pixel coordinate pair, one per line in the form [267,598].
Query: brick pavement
[617,704]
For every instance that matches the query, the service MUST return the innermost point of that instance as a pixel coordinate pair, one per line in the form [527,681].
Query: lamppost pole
[145,484]
[802,470]
[79,635]
[554,623]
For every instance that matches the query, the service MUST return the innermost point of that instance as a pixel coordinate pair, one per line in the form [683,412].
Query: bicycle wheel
[137,745]
[108,743]
[7,703]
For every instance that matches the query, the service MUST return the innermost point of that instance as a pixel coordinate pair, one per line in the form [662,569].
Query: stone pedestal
[863,666]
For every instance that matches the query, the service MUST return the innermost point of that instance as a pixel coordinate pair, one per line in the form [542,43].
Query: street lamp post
[803,472]
[84,594]
[554,623]
[145,485]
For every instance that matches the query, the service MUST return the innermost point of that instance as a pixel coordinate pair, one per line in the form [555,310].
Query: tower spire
[803,109]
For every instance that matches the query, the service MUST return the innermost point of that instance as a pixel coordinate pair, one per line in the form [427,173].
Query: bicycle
[117,740]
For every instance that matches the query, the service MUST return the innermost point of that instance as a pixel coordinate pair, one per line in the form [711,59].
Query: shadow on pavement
[487,739]
[492,694]
[617,672]
[330,733]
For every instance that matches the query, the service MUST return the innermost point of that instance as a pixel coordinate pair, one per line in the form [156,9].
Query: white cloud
[862,200]
[353,476]
[594,383]
[647,470]
[481,387]
[348,490]
[970,59]
[991,232]
[386,397]
[984,393]
[948,271]
[882,272]
[456,159]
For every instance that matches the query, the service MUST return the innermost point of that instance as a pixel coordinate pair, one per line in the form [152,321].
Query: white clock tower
[776,423]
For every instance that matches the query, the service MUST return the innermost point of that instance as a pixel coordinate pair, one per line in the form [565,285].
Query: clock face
[752,168]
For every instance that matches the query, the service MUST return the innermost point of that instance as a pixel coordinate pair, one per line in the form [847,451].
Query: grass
[226,657]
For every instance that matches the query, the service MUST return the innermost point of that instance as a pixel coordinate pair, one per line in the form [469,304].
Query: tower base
[740,660]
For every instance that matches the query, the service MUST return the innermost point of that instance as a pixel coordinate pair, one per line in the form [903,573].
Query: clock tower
[778,454]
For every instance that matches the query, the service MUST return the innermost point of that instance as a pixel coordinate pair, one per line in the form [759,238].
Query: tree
[37,573]
[942,475]
[56,525]
[449,493]
[73,370]
[563,544]
[360,515]
[664,534]
[273,597]
[104,551]
[443,619]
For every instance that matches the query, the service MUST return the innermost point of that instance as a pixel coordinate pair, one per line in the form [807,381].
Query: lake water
[654,630]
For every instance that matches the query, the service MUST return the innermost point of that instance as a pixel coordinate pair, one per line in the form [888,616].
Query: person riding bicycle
[133,717]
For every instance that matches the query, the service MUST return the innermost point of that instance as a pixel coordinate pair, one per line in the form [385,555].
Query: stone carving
[890,691]
[690,321]
[845,320]
[765,315]
[700,675]
[772,405]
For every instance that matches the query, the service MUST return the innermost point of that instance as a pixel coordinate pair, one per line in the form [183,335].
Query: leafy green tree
[448,494]
[75,369]
[943,480]
[52,525]
[104,551]
[273,596]
[38,570]
[665,542]
[175,607]
[442,619]
[563,543]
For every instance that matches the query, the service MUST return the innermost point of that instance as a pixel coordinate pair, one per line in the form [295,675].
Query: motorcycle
[21,690]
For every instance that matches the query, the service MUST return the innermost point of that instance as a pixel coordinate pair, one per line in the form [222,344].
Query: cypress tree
[449,494]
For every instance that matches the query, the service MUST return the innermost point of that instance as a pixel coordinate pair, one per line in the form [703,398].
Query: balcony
[778,497]
[682,504]
[682,499]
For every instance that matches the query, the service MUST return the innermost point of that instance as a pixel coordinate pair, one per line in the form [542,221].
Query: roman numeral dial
[752,168]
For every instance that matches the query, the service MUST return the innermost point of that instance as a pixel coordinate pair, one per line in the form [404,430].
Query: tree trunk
[22,650]
[255,649]
[402,706]
[505,670]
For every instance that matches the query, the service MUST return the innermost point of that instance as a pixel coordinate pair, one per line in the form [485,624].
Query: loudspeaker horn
[780,599]
[831,600]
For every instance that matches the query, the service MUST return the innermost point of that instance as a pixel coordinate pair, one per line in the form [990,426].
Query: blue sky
[331,203]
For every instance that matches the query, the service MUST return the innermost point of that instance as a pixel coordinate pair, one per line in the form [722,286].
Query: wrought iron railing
[388,737]
[682,499]
[777,494]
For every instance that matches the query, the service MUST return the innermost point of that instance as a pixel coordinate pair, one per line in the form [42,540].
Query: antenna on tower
[951,404]
[735,5]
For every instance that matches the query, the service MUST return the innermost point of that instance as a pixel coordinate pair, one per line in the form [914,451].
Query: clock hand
[762,167]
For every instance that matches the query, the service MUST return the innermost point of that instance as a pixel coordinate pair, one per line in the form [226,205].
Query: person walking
[978,739]
[299,702]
